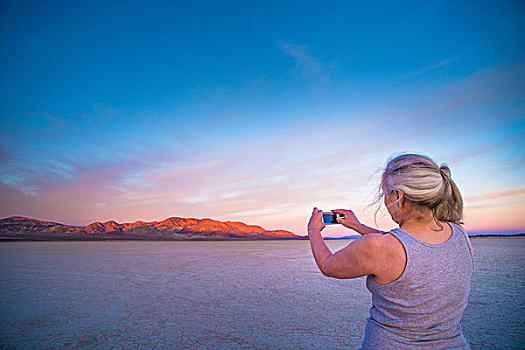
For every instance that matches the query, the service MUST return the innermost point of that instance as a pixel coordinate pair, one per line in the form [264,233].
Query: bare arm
[355,260]
[364,256]
[362,229]
[320,250]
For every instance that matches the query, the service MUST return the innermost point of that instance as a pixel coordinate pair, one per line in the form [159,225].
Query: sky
[257,111]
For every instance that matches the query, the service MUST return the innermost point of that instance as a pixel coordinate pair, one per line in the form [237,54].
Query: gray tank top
[423,307]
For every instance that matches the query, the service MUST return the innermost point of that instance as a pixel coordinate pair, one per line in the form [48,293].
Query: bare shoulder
[376,243]
[393,247]
[384,248]
[391,258]
[383,242]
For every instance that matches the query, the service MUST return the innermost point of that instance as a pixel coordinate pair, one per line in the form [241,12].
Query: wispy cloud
[41,149]
[309,65]
[457,105]
[496,211]
[275,179]
[458,158]
[514,192]
[437,65]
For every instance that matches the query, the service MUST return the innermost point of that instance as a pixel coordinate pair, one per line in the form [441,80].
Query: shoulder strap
[456,227]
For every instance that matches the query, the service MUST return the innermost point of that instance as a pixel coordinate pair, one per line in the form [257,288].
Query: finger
[340,214]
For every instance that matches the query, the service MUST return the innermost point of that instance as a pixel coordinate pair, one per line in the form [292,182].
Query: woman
[418,274]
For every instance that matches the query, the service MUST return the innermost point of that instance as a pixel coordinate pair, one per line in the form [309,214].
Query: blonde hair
[425,184]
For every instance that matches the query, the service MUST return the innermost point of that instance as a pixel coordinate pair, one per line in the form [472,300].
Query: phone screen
[330,218]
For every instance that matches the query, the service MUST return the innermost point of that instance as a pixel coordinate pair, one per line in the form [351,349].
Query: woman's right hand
[347,218]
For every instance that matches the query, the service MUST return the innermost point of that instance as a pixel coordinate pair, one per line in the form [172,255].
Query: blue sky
[255,111]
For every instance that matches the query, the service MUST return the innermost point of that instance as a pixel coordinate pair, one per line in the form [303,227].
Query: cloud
[310,66]
[270,179]
[475,153]
[437,65]
[460,116]
[514,192]
[40,149]
[496,211]
[274,188]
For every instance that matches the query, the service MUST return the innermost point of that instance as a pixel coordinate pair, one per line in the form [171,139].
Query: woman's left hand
[316,223]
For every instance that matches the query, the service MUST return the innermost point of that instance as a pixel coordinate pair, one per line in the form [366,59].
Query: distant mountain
[495,234]
[344,237]
[174,228]
[470,234]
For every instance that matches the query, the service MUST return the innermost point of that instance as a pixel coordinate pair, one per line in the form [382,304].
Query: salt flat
[235,295]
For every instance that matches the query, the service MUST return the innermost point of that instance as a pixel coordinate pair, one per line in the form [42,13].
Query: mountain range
[172,229]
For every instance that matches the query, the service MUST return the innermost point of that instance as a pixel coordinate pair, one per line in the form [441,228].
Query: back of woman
[418,274]
[423,307]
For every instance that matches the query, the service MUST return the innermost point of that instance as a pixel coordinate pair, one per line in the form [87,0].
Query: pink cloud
[275,179]
[514,192]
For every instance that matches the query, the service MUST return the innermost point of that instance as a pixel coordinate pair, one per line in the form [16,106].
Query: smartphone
[330,218]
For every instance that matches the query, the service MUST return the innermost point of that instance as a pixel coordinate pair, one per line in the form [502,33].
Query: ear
[400,197]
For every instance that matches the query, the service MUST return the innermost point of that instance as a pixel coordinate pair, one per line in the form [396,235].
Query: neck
[422,217]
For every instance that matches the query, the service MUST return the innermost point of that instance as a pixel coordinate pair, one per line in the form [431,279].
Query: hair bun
[444,169]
